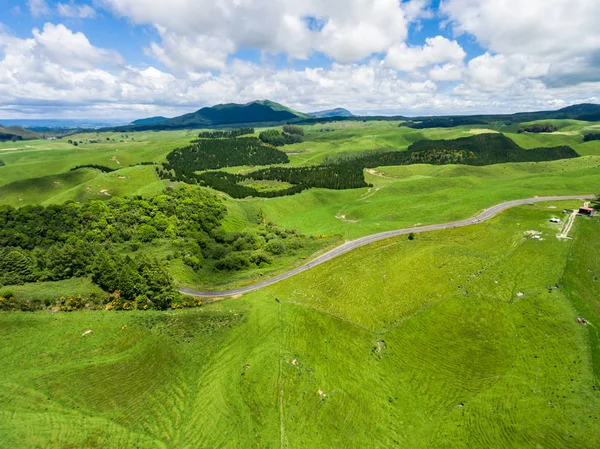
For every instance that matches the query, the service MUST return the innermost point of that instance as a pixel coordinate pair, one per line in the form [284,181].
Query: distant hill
[585,111]
[337,112]
[149,121]
[17,133]
[269,113]
[264,111]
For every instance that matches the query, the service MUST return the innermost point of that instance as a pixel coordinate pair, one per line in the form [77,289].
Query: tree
[16,267]
[291,129]
[147,233]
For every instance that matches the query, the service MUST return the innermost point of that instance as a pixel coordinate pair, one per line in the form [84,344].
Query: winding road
[353,244]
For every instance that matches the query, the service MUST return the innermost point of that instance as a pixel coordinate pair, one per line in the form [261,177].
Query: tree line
[538,128]
[588,137]
[277,138]
[213,154]
[345,171]
[335,177]
[102,168]
[107,240]
[230,134]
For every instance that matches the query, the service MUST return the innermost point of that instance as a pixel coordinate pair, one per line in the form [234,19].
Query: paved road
[353,244]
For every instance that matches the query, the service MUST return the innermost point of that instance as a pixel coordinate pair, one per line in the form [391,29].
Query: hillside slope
[337,112]
[264,111]
[486,352]
[17,133]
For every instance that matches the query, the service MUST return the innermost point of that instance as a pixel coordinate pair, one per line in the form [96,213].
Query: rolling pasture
[37,172]
[459,338]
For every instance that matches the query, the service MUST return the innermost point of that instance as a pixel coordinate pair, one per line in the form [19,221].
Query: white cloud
[532,27]
[361,28]
[61,71]
[59,44]
[555,39]
[78,11]
[349,30]
[38,7]
[447,72]
[180,53]
[436,50]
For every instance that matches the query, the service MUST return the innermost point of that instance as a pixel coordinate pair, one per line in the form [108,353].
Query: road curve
[353,244]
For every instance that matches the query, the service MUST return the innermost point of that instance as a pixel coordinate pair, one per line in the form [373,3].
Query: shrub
[291,129]
[276,247]
[233,262]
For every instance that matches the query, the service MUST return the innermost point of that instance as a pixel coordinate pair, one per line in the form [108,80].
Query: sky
[128,59]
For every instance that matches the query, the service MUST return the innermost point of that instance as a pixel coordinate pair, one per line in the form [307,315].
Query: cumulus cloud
[532,27]
[76,11]
[546,38]
[180,53]
[38,7]
[345,30]
[60,45]
[436,50]
[525,65]
[446,72]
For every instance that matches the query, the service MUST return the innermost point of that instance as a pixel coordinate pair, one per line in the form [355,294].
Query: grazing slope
[487,352]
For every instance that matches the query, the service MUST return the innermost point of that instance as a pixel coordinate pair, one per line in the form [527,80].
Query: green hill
[337,112]
[149,120]
[17,133]
[264,111]
[462,338]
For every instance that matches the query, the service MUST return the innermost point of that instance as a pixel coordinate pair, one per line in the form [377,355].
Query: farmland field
[311,225]
[458,338]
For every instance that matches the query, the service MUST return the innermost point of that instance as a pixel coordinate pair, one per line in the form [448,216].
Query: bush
[261,258]
[233,262]
[291,129]
[538,128]
[147,233]
[275,247]
[279,139]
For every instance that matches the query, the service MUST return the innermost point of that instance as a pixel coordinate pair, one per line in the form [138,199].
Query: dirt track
[353,244]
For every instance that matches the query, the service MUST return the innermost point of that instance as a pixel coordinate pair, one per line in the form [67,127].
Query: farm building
[554,220]
[587,211]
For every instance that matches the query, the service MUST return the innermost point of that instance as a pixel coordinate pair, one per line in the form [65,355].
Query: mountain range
[270,113]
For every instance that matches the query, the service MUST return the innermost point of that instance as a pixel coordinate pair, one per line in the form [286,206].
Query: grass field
[40,158]
[403,196]
[459,338]
[36,172]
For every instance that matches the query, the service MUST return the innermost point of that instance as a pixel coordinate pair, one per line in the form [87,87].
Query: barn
[587,211]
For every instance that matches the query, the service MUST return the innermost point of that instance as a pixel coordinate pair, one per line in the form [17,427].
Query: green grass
[39,158]
[39,190]
[208,277]
[49,292]
[436,354]
[265,185]
[82,185]
[408,195]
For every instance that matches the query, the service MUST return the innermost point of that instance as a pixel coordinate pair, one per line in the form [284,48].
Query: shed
[587,211]
[554,220]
